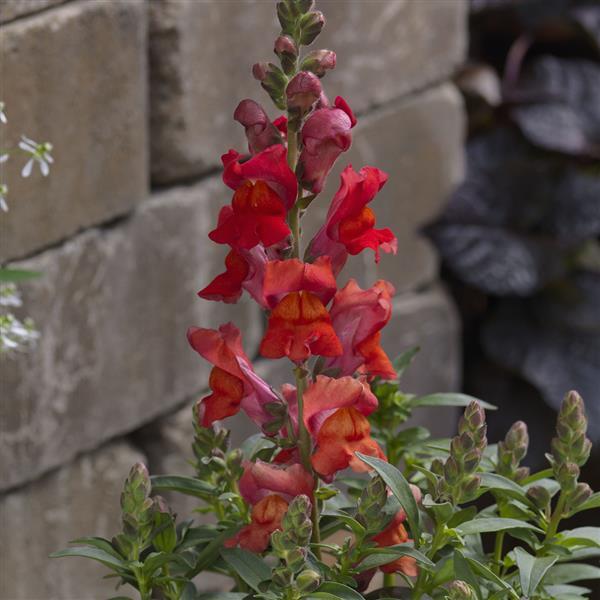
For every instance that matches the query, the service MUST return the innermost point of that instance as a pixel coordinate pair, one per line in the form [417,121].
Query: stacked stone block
[137,98]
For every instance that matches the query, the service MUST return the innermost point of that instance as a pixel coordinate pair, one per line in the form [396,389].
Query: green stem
[556,517]
[389,580]
[498,552]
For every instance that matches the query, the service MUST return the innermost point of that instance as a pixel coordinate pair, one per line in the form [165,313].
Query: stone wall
[137,99]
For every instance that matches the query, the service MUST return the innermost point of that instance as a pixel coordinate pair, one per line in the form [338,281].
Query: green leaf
[247,565]
[442,511]
[106,558]
[210,553]
[337,590]
[184,485]
[493,481]
[463,571]
[403,361]
[98,542]
[491,524]
[400,488]
[532,569]
[483,571]
[382,556]
[16,275]
[569,572]
[449,399]
[346,519]
[562,591]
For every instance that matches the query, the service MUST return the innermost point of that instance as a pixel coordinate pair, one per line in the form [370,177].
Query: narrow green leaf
[382,556]
[97,554]
[494,481]
[463,571]
[483,571]
[210,553]
[247,565]
[402,362]
[352,523]
[449,399]
[491,524]
[569,572]
[97,542]
[181,484]
[401,490]
[16,275]
[591,534]
[532,569]
[337,590]
[592,502]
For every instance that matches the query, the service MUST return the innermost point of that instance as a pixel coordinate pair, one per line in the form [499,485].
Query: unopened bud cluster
[570,450]
[296,90]
[511,451]
[290,544]
[142,516]
[457,478]
[371,503]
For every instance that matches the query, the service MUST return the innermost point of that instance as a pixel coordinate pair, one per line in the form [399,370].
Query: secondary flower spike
[350,224]
[233,382]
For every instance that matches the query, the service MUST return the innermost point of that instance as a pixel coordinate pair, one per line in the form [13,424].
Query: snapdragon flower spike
[350,224]
[395,533]
[233,382]
[341,435]
[266,517]
[244,270]
[326,395]
[261,479]
[261,133]
[300,326]
[358,316]
[293,275]
[325,135]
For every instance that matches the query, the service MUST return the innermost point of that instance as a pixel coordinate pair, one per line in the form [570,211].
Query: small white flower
[3,158]
[39,153]
[3,118]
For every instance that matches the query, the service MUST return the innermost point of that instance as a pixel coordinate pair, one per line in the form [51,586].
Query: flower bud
[470,487]
[567,474]
[460,590]
[234,459]
[311,25]
[297,523]
[452,471]
[288,12]
[521,473]
[303,91]
[295,559]
[581,493]
[282,577]
[319,62]
[273,81]
[308,581]
[287,51]
[540,496]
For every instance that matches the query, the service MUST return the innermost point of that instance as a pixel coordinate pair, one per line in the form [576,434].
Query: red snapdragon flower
[358,316]
[261,133]
[395,533]
[244,269]
[341,435]
[266,518]
[300,326]
[326,395]
[269,166]
[350,224]
[262,479]
[233,382]
[325,135]
[293,275]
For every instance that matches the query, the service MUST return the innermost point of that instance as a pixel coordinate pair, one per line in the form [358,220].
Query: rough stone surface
[77,500]
[63,91]
[13,9]
[113,307]
[385,49]
[418,142]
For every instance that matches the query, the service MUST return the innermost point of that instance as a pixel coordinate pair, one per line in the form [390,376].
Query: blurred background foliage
[520,237]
